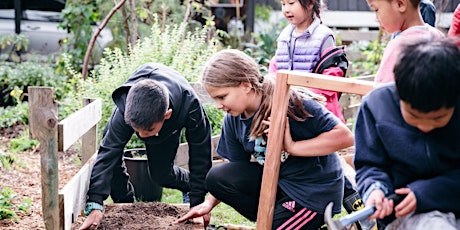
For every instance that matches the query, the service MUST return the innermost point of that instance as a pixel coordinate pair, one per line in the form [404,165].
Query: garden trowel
[342,223]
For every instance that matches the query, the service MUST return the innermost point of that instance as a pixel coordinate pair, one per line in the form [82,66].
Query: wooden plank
[319,81]
[274,147]
[43,122]
[364,18]
[72,197]
[89,139]
[356,35]
[354,19]
[182,153]
[78,123]
[284,79]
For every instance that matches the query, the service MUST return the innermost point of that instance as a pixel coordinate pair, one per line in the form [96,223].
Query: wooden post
[43,122]
[272,158]
[89,139]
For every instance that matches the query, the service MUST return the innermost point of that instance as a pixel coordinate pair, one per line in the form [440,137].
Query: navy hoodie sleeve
[371,159]
[198,135]
[116,134]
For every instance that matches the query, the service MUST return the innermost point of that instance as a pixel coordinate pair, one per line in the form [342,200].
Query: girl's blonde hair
[231,67]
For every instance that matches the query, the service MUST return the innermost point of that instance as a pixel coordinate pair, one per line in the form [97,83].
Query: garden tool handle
[368,211]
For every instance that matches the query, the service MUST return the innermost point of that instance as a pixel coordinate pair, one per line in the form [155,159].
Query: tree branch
[95,35]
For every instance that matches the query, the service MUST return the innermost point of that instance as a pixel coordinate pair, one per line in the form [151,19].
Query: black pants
[238,185]
[161,167]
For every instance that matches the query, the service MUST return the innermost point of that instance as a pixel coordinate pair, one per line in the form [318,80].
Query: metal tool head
[331,223]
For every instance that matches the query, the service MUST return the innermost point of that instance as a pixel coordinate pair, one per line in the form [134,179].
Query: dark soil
[150,215]
[24,178]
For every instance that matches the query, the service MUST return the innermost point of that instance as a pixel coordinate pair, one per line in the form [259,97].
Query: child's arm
[371,158]
[337,138]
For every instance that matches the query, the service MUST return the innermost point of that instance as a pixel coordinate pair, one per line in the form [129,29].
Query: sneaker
[185,198]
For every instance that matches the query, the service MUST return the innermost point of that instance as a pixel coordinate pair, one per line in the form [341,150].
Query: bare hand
[288,142]
[92,221]
[202,210]
[408,205]
[383,206]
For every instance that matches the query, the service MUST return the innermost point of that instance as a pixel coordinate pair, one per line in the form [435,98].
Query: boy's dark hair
[415,3]
[146,103]
[427,75]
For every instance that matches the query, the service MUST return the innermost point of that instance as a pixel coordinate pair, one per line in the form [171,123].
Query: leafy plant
[184,51]
[7,159]
[373,53]
[16,43]
[22,143]
[7,208]
[263,45]
[26,74]
[13,115]
[215,118]
[78,18]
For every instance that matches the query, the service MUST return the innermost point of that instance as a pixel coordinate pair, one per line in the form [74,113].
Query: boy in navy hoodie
[407,140]
[156,103]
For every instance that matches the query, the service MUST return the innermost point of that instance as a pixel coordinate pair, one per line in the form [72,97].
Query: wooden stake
[272,158]
[43,122]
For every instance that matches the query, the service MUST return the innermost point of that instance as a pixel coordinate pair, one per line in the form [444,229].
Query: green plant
[373,53]
[22,143]
[7,159]
[16,42]
[215,117]
[135,142]
[78,17]
[174,46]
[8,209]
[263,45]
[26,74]
[263,12]
[13,115]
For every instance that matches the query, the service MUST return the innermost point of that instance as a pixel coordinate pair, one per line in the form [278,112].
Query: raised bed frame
[284,80]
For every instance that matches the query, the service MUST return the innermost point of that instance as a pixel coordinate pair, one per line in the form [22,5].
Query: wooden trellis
[284,80]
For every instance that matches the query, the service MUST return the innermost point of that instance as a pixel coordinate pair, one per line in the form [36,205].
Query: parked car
[40,22]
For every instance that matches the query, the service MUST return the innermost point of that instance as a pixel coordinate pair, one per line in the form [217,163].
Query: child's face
[155,128]
[296,14]
[233,100]
[387,14]
[152,131]
[426,122]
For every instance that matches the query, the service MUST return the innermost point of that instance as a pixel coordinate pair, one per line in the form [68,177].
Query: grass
[222,214]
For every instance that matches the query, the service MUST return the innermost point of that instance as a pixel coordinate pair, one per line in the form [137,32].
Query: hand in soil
[92,221]
[202,210]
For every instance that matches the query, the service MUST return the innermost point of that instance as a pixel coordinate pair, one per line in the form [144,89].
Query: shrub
[7,208]
[14,115]
[215,118]
[22,143]
[174,46]
[30,74]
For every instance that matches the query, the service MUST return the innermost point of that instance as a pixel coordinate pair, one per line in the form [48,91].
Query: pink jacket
[454,30]
[390,55]
[332,98]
